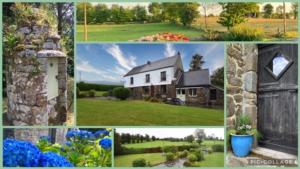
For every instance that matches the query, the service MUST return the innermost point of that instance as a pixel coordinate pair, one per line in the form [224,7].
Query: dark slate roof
[195,78]
[159,64]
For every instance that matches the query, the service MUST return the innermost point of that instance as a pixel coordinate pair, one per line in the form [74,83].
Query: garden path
[176,163]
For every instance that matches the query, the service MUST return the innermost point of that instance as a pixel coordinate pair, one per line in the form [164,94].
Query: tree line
[182,13]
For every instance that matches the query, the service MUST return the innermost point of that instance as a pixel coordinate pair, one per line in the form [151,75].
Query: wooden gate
[277,97]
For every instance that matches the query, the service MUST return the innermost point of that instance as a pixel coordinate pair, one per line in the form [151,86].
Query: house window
[163,89]
[147,78]
[193,92]
[131,80]
[178,91]
[182,91]
[146,89]
[213,94]
[163,76]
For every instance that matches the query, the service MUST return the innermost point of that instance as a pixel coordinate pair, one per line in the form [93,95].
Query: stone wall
[241,85]
[26,77]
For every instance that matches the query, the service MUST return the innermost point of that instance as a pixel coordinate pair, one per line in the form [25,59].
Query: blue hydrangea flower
[68,143]
[105,143]
[20,153]
[101,133]
[50,159]
[82,134]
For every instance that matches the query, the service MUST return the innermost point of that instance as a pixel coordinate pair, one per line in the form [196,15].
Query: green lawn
[161,143]
[127,32]
[211,160]
[126,160]
[117,113]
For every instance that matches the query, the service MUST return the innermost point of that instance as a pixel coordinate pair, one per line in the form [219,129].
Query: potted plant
[242,137]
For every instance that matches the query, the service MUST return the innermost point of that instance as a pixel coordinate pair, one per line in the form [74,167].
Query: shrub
[211,35]
[183,154]
[172,149]
[110,93]
[187,164]
[105,94]
[140,162]
[147,98]
[121,93]
[82,94]
[154,100]
[192,158]
[91,93]
[217,148]
[244,33]
[209,151]
[199,154]
[170,156]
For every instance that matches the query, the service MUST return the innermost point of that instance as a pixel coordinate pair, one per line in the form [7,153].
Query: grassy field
[126,160]
[161,143]
[111,112]
[211,160]
[131,31]
[127,32]
[270,26]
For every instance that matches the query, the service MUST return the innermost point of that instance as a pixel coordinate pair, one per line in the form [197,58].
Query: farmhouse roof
[194,78]
[159,64]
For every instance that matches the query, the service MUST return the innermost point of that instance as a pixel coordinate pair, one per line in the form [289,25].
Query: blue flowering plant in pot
[242,137]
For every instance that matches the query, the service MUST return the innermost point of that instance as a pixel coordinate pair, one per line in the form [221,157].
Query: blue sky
[109,62]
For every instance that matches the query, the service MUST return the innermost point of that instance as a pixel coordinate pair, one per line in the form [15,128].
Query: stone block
[251,111]
[250,81]
[234,81]
[24,30]
[230,105]
[238,98]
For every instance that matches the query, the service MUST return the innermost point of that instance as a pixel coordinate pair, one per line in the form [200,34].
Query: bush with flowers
[83,148]
[164,37]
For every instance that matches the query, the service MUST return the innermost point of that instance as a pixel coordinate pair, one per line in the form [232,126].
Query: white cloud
[169,50]
[85,66]
[210,49]
[118,70]
[115,51]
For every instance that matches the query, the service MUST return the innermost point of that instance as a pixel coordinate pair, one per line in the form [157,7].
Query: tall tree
[190,138]
[155,9]
[139,13]
[268,10]
[199,135]
[196,62]
[217,78]
[234,13]
[117,144]
[188,13]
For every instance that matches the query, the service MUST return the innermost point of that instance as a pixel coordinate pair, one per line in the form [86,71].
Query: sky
[216,10]
[109,62]
[171,132]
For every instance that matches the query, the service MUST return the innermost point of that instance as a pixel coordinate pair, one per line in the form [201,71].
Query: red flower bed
[165,36]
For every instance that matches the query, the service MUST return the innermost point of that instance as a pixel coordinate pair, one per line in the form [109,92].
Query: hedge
[98,87]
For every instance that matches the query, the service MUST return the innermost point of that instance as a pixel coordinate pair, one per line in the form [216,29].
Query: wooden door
[277,97]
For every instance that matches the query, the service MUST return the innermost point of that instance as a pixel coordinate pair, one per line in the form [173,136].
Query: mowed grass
[112,112]
[158,143]
[211,160]
[161,143]
[126,32]
[126,160]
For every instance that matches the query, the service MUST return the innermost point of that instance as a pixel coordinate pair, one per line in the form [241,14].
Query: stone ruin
[36,78]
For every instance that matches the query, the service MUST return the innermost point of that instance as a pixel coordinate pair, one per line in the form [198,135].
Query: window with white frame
[193,92]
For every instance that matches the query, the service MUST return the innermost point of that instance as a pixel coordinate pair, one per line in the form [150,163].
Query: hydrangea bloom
[20,153]
[101,133]
[105,143]
[83,134]
[50,159]
[68,143]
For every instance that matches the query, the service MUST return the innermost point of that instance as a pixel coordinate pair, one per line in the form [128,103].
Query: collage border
[225,43]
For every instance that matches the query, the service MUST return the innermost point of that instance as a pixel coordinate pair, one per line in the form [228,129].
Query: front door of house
[180,94]
[277,97]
